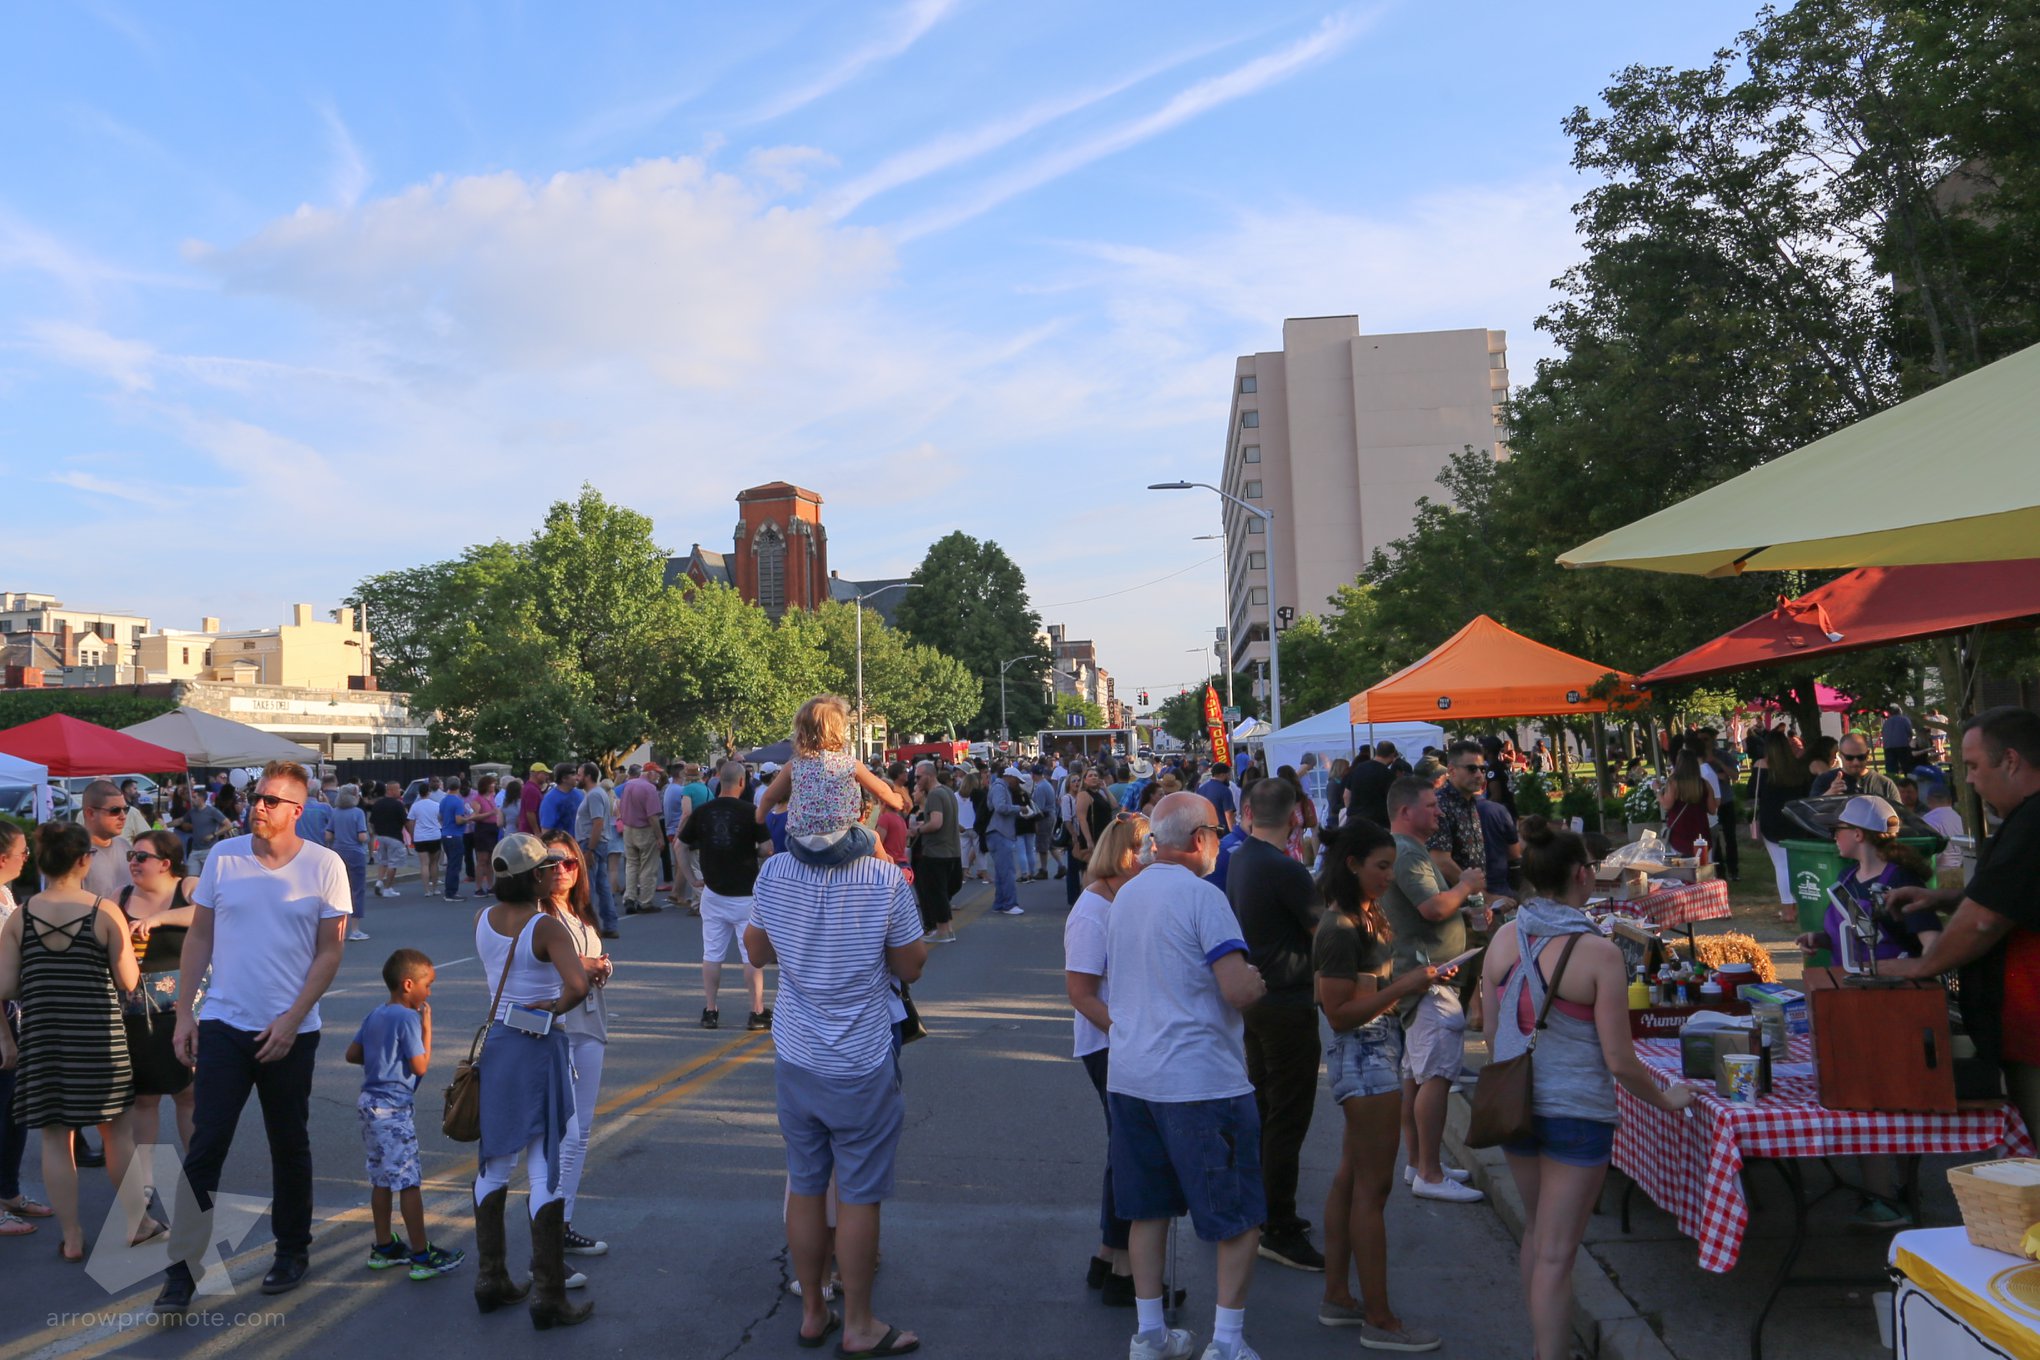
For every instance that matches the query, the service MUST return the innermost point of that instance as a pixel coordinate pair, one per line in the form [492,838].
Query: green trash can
[1813,867]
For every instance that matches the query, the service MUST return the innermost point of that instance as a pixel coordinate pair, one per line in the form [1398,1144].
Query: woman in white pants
[587,1028]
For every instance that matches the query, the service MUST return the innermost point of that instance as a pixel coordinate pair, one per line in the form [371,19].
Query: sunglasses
[1854,760]
[270,800]
[116,808]
[137,856]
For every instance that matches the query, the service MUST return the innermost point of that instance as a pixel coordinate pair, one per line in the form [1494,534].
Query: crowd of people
[1218,929]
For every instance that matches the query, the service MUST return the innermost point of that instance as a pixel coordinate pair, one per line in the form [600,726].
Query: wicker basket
[1996,1215]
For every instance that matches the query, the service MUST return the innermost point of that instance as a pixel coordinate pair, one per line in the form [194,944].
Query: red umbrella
[72,747]
[1869,607]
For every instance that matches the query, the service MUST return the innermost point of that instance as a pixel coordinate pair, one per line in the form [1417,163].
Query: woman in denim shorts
[1351,959]
[1582,1051]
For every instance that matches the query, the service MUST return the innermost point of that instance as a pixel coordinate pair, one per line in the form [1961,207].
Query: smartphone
[529,1019]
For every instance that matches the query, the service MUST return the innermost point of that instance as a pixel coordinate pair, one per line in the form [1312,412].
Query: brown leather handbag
[462,1121]
[1502,1092]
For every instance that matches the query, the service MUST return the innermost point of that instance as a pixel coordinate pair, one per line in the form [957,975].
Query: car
[145,787]
[18,800]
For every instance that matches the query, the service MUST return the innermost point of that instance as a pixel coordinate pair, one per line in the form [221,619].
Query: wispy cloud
[125,24]
[948,152]
[909,25]
[142,493]
[1331,36]
[126,362]
[349,177]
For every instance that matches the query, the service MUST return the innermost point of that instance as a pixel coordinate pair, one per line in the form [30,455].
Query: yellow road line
[453,1206]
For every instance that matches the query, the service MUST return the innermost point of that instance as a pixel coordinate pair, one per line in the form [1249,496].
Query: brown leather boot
[493,1286]
[549,1306]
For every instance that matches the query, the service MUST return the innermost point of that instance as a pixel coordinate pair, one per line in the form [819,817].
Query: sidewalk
[1644,1296]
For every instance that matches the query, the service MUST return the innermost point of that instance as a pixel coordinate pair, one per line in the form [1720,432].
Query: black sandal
[817,1341]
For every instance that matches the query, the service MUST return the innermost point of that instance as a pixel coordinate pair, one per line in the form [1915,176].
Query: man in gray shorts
[837,1077]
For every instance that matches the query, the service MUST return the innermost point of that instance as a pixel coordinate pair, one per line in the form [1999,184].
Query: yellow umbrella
[1952,475]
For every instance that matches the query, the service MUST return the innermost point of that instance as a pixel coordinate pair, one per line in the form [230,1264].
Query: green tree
[1328,658]
[972,605]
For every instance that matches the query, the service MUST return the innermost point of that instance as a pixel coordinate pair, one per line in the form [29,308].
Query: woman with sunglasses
[158,910]
[16,1209]
[65,957]
[587,1027]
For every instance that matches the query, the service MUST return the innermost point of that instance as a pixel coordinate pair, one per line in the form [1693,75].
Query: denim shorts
[1575,1142]
[1366,1061]
[1202,1157]
[856,842]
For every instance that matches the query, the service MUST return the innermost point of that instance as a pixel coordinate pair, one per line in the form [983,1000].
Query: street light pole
[1267,518]
[863,746]
[1225,588]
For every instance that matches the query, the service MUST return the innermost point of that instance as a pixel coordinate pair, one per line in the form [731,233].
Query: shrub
[1580,801]
[1642,803]
[1532,796]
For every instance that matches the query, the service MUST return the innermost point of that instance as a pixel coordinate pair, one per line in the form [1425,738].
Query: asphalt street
[984,1244]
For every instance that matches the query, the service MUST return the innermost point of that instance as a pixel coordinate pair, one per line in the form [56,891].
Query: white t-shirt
[1084,952]
[425,818]
[1174,1037]
[1712,780]
[1948,822]
[266,928]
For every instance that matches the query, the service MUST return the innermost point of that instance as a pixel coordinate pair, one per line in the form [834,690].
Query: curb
[1605,1324]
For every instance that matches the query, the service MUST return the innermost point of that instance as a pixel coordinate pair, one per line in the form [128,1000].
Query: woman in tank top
[587,1027]
[527,1091]
[1584,1049]
[158,910]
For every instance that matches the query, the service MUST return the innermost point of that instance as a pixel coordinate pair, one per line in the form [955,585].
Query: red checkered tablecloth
[1676,906]
[1690,1163]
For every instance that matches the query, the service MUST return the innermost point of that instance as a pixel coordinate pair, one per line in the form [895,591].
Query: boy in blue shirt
[393,1048]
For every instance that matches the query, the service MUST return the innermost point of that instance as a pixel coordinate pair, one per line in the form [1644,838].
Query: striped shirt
[831,928]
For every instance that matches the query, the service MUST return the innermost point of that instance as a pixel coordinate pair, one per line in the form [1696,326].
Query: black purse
[152,1053]
[911,1028]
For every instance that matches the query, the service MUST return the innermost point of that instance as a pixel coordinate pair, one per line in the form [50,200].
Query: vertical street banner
[1214,725]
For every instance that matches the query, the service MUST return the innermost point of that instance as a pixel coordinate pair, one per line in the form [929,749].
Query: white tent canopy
[15,770]
[205,739]
[1329,736]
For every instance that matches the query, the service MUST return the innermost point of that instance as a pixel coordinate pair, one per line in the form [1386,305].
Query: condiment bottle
[1668,986]
[1764,1060]
[1639,991]
[1710,991]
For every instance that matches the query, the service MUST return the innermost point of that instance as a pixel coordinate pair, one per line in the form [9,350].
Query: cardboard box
[1700,1052]
[1688,873]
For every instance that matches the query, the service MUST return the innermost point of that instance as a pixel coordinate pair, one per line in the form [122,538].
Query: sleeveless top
[74,1068]
[590,1019]
[1686,827]
[1570,1076]
[825,796]
[532,981]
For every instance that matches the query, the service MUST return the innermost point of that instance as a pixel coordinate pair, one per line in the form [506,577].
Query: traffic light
[1143,698]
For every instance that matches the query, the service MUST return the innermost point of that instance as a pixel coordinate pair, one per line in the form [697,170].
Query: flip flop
[821,1338]
[10,1226]
[24,1207]
[884,1347]
[77,1260]
[155,1230]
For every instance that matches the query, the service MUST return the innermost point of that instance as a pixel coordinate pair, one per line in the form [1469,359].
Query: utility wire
[1064,604]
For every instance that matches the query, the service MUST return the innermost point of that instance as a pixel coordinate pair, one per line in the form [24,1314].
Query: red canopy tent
[1869,607]
[72,747]
[1486,671]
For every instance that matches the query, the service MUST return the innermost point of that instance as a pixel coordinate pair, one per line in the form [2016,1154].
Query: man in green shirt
[1425,914]
[937,853]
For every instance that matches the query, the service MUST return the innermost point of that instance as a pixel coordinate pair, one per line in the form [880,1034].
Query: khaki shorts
[1434,1039]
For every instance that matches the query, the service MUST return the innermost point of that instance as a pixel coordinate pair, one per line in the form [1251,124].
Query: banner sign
[1214,726]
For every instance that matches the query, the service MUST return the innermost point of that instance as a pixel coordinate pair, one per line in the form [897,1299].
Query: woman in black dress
[65,956]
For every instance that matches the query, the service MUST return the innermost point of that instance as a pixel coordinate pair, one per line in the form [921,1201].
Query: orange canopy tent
[1486,671]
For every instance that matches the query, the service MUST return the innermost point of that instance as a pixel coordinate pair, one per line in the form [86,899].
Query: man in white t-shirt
[1942,816]
[426,834]
[1181,1100]
[271,916]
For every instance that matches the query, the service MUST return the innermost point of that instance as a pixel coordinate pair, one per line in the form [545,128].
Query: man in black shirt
[386,818]
[1367,786]
[727,840]
[1994,934]
[1277,906]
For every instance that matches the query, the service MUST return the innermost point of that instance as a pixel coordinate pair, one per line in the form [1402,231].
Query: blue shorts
[1202,1157]
[1575,1142]
[1366,1061]
[846,1126]
[856,842]
[390,1139]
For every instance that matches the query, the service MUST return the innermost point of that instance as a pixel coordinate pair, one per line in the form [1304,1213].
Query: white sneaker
[357,935]
[1010,911]
[1460,1174]
[1447,1189]
[577,1281]
[1177,1345]
[1240,1352]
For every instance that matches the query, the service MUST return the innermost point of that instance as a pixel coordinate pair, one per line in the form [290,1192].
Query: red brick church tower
[782,552]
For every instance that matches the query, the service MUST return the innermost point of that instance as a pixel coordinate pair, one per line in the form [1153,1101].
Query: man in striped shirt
[839,935]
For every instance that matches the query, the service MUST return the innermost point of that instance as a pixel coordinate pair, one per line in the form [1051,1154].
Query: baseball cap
[1013,770]
[539,767]
[521,852]
[769,767]
[1868,812]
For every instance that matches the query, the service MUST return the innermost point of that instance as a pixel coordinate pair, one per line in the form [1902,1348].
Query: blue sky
[288,296]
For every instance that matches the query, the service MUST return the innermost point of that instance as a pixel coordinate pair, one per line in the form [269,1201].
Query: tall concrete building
[1338,434]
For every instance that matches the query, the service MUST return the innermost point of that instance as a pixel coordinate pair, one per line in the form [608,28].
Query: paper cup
[1742,1077]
